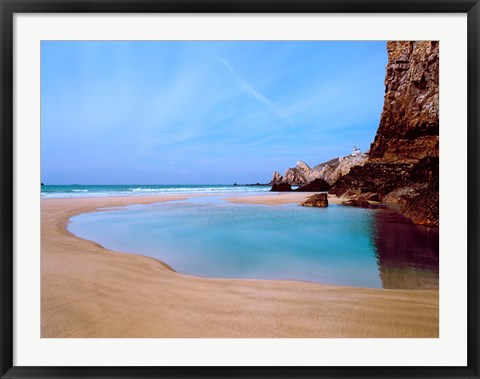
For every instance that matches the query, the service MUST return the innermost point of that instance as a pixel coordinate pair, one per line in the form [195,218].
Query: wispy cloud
[259,97]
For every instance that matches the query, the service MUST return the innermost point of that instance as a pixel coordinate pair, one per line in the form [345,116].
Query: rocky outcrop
[332,170]
[369,196]
[297,175]
[391,183]
[328,171]
[317,185]
[357,203]
[318,200]
[378,178]
[403,160]
[277,178]
[281,187]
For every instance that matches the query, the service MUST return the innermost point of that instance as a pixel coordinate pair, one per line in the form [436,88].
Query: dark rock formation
[357,203]
[369,196]
[317,185]
[281,187]
[374,177]
[415,186]
[424,207]
[318,200]
[403,160]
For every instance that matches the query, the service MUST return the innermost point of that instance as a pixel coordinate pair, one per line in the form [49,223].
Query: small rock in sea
[318,200]
[357,203]
[281,187]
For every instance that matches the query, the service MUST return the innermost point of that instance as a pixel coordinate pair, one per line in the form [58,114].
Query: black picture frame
[9,8]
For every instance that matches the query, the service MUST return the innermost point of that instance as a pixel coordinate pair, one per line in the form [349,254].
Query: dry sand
[88,291]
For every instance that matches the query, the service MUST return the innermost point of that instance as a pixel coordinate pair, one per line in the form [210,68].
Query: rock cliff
[408,129]
[402,166]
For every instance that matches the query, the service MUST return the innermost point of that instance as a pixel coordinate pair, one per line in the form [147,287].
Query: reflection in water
[407,254]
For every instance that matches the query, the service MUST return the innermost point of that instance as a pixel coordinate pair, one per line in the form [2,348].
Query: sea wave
[146,191]
[196,189]
[139,189]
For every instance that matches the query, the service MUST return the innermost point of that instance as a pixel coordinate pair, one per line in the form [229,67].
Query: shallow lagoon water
[210,237]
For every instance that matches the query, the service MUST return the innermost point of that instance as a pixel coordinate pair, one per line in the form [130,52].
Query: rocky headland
[329,171]
[403,162]
[402,165]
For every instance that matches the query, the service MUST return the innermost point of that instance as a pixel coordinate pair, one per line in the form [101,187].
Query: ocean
[78,190]
[211,237]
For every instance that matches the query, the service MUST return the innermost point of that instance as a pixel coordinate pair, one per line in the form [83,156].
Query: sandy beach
[88,291]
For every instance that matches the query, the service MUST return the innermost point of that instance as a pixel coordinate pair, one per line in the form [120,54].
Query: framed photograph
[239,189]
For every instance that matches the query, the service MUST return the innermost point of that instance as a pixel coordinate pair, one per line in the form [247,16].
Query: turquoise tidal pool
[210,237]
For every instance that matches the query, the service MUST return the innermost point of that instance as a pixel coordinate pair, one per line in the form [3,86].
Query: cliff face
[408,128]
[403,160]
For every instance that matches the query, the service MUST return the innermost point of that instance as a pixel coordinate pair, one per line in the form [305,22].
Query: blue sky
[199,112]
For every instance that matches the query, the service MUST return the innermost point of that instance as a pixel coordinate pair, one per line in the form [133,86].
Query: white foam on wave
[199,189]
[146,190]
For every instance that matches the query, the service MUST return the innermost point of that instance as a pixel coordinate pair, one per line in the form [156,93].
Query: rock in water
[317,185]
[281,187]
[318,200]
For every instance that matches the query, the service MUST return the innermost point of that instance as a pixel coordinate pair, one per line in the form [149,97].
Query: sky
[203,112]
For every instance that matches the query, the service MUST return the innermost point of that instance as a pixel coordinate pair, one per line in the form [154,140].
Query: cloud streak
[268,104]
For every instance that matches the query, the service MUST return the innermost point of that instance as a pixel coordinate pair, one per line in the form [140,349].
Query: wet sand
[88,291]
[281,198]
